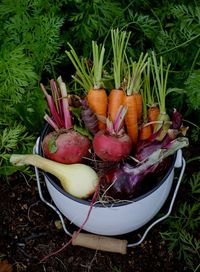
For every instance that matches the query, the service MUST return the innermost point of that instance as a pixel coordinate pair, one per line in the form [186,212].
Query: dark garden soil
[29,230]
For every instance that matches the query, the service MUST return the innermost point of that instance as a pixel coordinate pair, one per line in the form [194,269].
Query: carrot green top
[134,72]
[119,44]
[160,82]
[88,77]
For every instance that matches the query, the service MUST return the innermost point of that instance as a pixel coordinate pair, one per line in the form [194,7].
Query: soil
[30,230]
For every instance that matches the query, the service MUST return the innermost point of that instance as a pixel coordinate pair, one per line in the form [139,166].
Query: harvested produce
[64,144]
[133,98]
[146,147]
[89,118]
[124,181]
[77,179]
[113,144]
[111,147]
[145,129]
[90,78]
[116,97]
[153,109]
[160,84]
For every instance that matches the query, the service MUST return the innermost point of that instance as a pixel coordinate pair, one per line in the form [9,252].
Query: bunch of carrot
[133,87]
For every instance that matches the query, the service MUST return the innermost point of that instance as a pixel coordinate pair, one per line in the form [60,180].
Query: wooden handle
[99,242]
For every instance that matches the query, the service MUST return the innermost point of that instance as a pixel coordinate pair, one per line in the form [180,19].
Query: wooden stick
[99,242]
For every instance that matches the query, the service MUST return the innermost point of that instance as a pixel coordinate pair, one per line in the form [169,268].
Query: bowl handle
[36,146]
[36,151]
[170,206]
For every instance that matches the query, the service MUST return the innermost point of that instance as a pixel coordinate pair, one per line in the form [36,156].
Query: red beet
[111,147]
[65,146]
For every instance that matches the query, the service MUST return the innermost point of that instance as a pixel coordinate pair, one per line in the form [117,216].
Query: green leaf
[9,170]
[83,131]
[52,145]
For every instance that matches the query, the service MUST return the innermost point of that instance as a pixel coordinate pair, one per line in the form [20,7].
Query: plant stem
[82,76]
[135,71]
[98,56]
[160,82]
[119,44]
[52,107]
[65,105]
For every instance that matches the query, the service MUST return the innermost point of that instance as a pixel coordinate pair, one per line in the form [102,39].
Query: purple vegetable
[147,147]
[125,181]
[89,118]
[176,119]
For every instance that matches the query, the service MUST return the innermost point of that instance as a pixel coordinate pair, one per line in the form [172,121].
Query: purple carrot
[89,118]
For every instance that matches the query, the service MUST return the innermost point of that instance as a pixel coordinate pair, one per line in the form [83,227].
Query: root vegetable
[125,182]
[77,179]
[111,147]
[113,144]
[89,118]
[65,146]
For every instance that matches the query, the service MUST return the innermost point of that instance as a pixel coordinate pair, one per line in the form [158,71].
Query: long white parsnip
[77,179]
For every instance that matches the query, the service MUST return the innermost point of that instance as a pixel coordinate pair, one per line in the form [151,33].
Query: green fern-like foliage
[29,49]
[171,29]
[16,73]
[37,32]
[193,90]
[92,20]
[12,139]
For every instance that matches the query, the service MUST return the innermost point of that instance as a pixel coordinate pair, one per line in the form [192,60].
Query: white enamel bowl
[116,220]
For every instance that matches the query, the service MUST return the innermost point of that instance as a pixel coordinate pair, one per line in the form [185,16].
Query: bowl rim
[98,204]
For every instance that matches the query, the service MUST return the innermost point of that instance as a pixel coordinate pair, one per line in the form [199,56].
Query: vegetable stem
[98,56]
[119,44]
[160,82]
[82,76]
[85,76]
[52,107]
[135,70]
[65,105]
[51,122]
[37,161]
[120,118]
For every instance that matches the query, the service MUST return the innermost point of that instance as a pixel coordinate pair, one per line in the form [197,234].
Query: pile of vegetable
[115,137]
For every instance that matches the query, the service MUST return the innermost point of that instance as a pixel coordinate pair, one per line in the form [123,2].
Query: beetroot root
[110,147]
[65,146]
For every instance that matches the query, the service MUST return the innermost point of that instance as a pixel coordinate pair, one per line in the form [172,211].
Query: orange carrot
[138,98]
[91,80]
[131,118]
[133,97]
[115,100]
[116,97]
[153,113]
[98,101]
[145,132]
